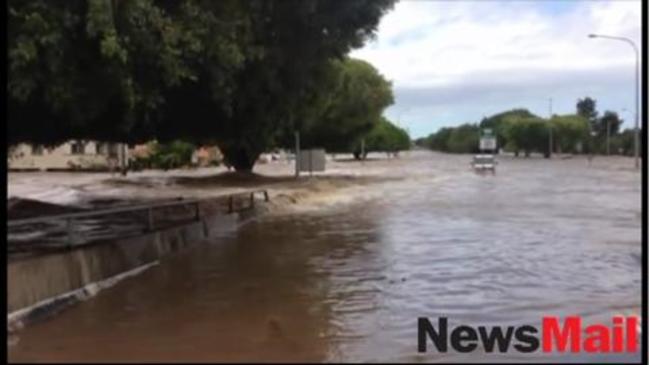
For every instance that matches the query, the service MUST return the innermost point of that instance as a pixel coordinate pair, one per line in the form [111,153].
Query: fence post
[70,232]
[198,211]
[150,218]
[252,199]
[265,195]
[230,205]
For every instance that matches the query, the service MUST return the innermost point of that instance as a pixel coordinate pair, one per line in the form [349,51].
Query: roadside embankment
[40,285]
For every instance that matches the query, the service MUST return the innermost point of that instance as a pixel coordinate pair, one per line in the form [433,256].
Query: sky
[457,61]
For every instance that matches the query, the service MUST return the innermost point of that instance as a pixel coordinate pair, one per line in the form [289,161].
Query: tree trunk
[240,158]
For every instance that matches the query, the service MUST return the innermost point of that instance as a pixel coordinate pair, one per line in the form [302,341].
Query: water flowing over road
[346,281]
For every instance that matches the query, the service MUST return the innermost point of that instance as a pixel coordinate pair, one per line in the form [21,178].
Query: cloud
[465,59]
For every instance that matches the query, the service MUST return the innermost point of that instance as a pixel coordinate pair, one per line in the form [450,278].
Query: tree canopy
[231,72]
[587,108]
[385,137]
[569,131]
[349,107]
[527,134]
[497,123]
[519,130]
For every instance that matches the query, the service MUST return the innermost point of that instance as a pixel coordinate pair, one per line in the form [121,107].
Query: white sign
[488,143]
[312,160]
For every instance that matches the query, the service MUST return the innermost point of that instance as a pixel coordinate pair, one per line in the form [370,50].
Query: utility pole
[123,159]
[636,142]
[550,141]
[297,154]
[608,137]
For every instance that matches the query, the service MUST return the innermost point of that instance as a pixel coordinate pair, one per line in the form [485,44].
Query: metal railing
[64,230]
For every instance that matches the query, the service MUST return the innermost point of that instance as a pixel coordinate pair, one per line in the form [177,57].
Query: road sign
[312,160]
[488,143]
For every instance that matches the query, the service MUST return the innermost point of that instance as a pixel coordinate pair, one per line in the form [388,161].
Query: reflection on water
[347,283]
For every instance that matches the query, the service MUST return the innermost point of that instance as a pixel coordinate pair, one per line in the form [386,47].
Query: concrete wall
[46,282]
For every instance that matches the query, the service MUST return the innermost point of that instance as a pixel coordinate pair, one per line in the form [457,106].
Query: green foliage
[439,141]
[623,143]
[518,130]
[461,139]
[421,142]
[167,155]
[297,40]
[568,132]
[100,69]
[355,100]
[464,139]
[232,72]
[587,108]
[497,123]
[527,134]
[386,137]
[609,122]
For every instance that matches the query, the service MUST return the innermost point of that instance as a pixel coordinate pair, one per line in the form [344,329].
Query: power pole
[297,154]
[550,142]
[123,158]
[608,136]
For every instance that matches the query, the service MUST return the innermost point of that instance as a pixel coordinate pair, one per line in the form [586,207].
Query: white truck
[486,159]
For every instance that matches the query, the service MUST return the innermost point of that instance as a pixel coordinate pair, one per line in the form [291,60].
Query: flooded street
[346,281]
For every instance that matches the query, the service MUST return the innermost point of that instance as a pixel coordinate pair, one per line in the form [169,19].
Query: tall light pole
[623,111]
[550,130]
[636,142]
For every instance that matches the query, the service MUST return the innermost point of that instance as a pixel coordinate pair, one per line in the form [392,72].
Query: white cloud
[506,48]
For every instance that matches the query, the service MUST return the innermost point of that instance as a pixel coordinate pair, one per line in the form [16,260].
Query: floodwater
[347,281]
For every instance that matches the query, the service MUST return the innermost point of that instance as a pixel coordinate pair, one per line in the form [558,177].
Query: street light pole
[297,154]
[636,144]
[608,137]
[550,131]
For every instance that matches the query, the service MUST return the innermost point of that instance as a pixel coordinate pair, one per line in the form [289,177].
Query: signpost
[311,160]
[488,146]
[488,141]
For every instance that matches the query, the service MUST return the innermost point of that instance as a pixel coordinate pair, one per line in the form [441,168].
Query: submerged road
[347,281]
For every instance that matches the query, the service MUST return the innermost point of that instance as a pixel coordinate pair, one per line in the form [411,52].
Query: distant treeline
[520,131]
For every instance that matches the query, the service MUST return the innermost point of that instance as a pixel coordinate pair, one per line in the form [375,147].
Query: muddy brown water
[346,281]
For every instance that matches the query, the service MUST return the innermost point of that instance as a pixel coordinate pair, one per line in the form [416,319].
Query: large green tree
[587,108]
[569,131]
[101,69]
[354,100]
[497,123]
[438,141]
[384,137]
[231,72]
[464,138]
[527,134]
[609,122]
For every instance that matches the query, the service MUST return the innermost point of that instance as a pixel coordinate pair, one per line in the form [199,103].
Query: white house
[72,155]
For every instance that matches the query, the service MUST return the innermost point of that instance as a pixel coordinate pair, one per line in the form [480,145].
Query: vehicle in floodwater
[484,162]
[486,159]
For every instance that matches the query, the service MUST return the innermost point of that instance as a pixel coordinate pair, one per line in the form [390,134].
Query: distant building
[92,156]
[72,155]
